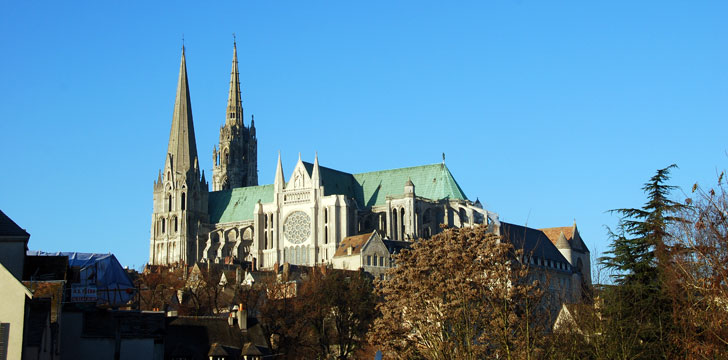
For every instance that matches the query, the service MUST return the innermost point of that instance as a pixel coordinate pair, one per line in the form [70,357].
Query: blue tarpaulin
[103,271]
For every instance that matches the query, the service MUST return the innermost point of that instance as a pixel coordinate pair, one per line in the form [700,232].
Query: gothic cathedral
[320,215]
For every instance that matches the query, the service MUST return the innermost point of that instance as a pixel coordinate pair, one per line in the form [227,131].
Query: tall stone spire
[236,159]
[182,149]
[180,195]
[234,104]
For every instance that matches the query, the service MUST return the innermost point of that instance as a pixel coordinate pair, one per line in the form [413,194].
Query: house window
[381,261]
[4,335]
[369,260]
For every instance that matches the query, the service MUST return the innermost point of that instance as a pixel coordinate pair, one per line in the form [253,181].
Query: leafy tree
[461,294]
[638,307]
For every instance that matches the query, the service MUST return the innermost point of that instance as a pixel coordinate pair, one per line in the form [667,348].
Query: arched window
[394,224]
[463,217]
[169,202]
[265,240]
[402,222]
[175,224]
[183,201]
[326,234]
[163,225]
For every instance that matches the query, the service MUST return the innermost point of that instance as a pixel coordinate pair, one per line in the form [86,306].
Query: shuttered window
[4,335]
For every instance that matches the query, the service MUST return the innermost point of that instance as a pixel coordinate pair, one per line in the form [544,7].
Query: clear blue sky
[548,111]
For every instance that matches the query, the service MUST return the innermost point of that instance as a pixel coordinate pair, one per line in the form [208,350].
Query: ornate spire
[182,149]
[279,182]
[315,176]
[235,104]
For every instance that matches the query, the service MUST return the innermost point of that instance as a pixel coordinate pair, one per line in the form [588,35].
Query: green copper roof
[431,181]
[237,204]
[368,189]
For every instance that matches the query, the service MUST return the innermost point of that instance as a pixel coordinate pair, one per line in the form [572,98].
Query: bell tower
[235,163]
[180,191]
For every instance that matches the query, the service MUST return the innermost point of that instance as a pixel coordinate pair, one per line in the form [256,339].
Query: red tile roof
[356,242]
[554,232]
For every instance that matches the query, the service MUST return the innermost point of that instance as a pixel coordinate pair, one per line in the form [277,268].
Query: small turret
[409,187]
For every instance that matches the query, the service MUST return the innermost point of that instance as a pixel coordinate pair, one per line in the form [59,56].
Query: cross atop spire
[235,104]
[182,149]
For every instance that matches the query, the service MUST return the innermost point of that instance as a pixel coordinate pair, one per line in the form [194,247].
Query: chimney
[242,317]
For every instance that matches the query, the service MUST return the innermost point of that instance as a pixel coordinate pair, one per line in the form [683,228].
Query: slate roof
[356,242]
[532,241]
[369,189]
[8,227]
[395,246]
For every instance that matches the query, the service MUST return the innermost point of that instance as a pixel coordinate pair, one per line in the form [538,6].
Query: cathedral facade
[307,217]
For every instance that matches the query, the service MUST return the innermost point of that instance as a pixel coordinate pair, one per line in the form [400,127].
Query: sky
[548,112]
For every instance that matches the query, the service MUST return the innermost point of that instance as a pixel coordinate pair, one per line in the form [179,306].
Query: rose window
[297,227]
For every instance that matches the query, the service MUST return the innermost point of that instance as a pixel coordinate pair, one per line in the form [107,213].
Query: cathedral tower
[235,164]
[180,192]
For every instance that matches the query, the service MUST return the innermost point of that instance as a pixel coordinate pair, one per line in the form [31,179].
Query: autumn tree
[462,294]
[157,285]
[699,265]
[327,316]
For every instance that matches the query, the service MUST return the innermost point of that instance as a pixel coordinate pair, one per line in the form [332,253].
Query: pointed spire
[562,242]
[315,177]
[280,183]
[235,104]
[182,149]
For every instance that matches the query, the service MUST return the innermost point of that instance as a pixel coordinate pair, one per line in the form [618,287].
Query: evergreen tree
[638,306]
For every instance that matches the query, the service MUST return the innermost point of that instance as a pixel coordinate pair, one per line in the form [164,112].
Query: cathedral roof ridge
[401,168]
